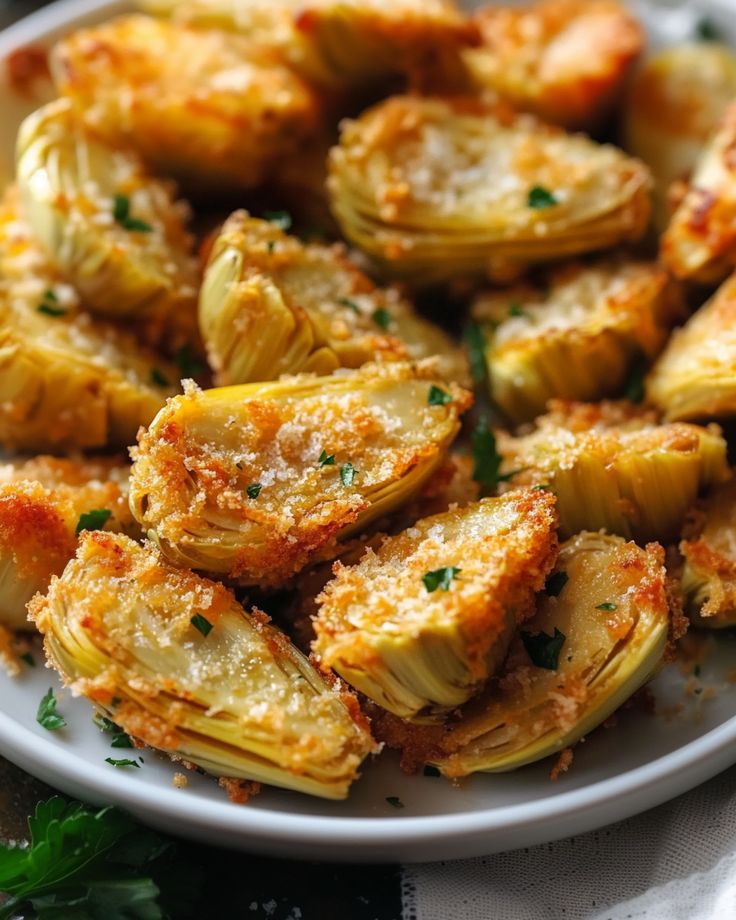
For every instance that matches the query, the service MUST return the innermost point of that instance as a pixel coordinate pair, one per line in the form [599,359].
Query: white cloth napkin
[675,862]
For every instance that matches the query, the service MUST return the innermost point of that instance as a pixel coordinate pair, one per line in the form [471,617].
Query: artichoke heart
[66,380]
[43,502]
[577,337]
[613,467]
[440,188]
[565,60]
[257,480]
[418,624]
[709,572]
[592,646]
[699,243]
[695,376]
[115,233]
[210,108]
[176,662]
[270,304]
[675,103]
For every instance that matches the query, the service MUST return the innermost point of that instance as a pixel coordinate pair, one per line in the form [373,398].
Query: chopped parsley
[254,490]
[542,487]
[351,304]
[486,458]
[159,379]
[438,397]
[634,386]
[607,606]
[516,309]
[189,364]
[326,459]
[93,520]
[120,738]
[121,213]
[347,474]
[382,318]
[440,578]
[47,716]
[707,31]
[429,770]
[29,660]
[50,304]
[555,583]
[544,650]
[202,624]
[394,801]
[476,346]
[280,219]
[123,762]
[540,198]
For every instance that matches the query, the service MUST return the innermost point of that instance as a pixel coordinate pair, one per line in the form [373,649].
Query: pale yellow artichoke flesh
[42,502]
[231,695]
[709,572]
[695,376]
[613,618]
[270,304]
[114,233]
[434,189]
[577,337]
[418,647]
[66,380]
[324,456]
[613,467]
[673,107]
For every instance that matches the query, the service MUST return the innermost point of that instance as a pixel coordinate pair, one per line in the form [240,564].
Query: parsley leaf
[555,583]
[486,458]
[607,606]
[50,304]
[120,738]
[93,520]
[189,364]
[47,716]
[394,801]
[540,198]
[122,762]
[544,650]
[382,318]
[351,304]
[438,397]
[202,624]
[121,213]
[634,387]
[281,219]
[254,490]
[159,379]
[326,459]
[476,346]
[440,578]
[347,474]
[29,660]
[707,31]
[516,309]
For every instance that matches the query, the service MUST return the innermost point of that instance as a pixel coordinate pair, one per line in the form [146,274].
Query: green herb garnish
[475,343]
[440,578]
[254,490]
[120,738]
[608,606]
[394,801]
[29,660]
[555,583]
[429,770]
[516,309]
[280,219]
[634,387]
[121,213]
[93,520]
[122,762]
[351,304]
[438,397]
[326,459]
[202,624]
[382,318]
[47,716]
[707,31]
[50,304]
[347,474]
[544,650]
[540,198]
[486,458]
[158,379]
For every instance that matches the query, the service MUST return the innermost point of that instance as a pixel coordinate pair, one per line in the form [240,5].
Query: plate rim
[353,838]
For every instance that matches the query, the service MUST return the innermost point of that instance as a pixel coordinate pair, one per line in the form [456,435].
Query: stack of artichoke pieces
[435,189]
[613,467]
[186,98]
[175,661]
[270,304]
[41,504]
[674,105]
[115,233]
[575,338]
[695,377]
[565,60]
[607,629]
[420,623]
[66,380]
[700,241]
[709,550]
[255,481]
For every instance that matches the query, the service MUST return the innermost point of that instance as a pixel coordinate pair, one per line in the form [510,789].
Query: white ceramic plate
[644,761]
